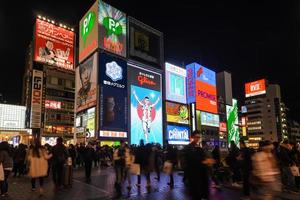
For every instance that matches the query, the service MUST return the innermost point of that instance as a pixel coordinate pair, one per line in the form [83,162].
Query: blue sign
[190,86]
[177,134]
[205,75]
[115,71]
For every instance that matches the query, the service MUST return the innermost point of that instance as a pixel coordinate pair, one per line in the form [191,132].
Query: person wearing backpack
[59,158]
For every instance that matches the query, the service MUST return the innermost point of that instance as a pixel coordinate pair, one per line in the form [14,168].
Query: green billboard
[232,122]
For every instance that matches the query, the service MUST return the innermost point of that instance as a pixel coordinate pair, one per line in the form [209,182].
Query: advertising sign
[113,134]
[232,122]
[175,83]
[49,140]
[113,71]
[223,127]
[208,119]
[145,106]
[191,88]
[56,105]
[178,135]
[206,97]
[255,88]
[88,32]
[36,99]
[145,43]
[54,45]
[86,84]
[177,113]
[112,27]
[12,116]
[91,122]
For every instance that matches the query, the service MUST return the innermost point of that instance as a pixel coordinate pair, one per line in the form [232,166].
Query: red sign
[53,104]
[206,97]
[54,45]
[223,127]
[255,88]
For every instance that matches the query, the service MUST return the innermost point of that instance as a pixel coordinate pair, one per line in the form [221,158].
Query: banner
[54,45]
[178,135]
[255,88]
[112,28]
[36,99]
[232,122]
[86,84]
[177,113]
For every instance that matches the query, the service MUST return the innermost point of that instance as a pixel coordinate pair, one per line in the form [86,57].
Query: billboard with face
[175,83]
[177,113]
[145,105]
[178,134]
[112,28]
[88,32]
[145,43]
[255,88]
[232,122]
[53,45]
[86,83]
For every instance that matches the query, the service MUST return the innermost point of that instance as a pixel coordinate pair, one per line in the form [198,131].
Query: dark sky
[250,39]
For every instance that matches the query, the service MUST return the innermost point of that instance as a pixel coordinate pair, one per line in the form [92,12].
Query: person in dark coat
[19,160]
[72,154]
[232,161]
[88,157]
[171,156]
[7,164]
[246,165]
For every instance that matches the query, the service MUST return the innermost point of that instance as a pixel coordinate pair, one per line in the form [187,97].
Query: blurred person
[59,158]
[171,156]
[7,164]
[88,157]
[37,158]
[196,168]
[129,160]
[72,154]
[233,163]
[19,160]
[265,173]
[285,160]
[216,155]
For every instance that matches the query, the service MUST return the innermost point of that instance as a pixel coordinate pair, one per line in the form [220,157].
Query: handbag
[135,169]
[168,167]
[1,172]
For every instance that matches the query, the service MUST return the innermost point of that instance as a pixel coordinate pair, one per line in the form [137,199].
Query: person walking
[37,159]
[171,157]
[59,158]
[233,163]
[88,157]
[7,164]
[19,160]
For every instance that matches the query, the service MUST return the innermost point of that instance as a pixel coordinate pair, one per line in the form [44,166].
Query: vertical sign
[36,99]
[191,89]
[232,122]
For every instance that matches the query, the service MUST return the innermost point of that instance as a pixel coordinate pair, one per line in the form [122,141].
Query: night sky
[250,39]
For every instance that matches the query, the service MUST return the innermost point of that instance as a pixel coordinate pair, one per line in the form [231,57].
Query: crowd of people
[262,173]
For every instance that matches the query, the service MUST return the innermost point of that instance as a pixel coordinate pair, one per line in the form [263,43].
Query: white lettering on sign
[176,134]
[254,87]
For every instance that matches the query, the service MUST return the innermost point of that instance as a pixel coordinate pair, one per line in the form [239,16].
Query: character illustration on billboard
[148,113]
[48,51]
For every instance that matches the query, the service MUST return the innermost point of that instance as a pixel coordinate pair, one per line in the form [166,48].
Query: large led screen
[12,116]
[255,88]
[175,83]
[86,83]
[232,122]
[208,119]
[145,106]
[177,134]
[206,97]
[177,113]
[112,28]
[54,45]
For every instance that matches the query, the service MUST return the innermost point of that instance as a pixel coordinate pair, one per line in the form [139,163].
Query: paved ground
[102,187]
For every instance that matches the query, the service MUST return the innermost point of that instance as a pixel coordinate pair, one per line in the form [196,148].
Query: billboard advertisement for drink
[145,105]
[54,45]
[112,29]
[232,122]
[177,113]
[255,88]
[86,83]
[178,135]
[175,83]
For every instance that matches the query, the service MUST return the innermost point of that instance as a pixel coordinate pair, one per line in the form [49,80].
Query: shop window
[54,80]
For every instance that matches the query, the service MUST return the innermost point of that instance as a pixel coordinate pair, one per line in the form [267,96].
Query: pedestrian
[72,154]
[7,164]
[129,160]
[196,168]
[171,157]
[234,164]
[88,157]
[37,158]
[19,160]
[265,177]
[216,155]
[59,158]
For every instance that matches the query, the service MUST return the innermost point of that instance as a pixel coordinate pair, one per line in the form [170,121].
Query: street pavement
[102,187]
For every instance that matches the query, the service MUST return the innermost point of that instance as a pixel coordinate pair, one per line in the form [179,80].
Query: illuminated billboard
[55,105]
[177,113]
[112,28]
[113,134]
[175,83]
[86,83]
[191,88]
[208,119]
[223,127]
[90,126]
[255,88]
[206,97]
[53,45]
[36,99]
[145,43]
[178,135]
[232,122]
[12,116]
[88,32]
[145,105]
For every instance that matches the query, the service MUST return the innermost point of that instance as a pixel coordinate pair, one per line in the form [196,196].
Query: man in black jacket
[88,157]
